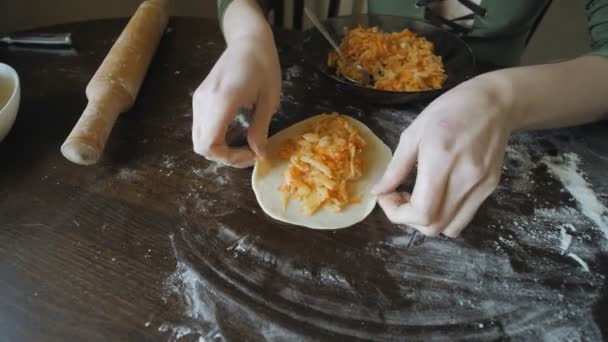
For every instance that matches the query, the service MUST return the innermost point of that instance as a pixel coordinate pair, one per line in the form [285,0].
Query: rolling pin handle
[86,142]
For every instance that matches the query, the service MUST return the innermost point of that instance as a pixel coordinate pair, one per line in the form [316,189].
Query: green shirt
[500,36]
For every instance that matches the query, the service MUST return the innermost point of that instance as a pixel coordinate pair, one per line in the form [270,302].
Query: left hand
[459,142]
[247,75]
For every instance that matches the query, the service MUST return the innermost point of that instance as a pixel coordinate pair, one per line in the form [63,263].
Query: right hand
[247,75]
[457,144]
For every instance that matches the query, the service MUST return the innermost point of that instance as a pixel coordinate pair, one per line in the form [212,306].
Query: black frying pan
[457,56]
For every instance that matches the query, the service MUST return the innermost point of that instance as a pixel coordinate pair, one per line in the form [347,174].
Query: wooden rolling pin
[115,85]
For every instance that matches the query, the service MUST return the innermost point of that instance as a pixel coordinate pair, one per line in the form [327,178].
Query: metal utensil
[409,243]
[55,39]
[364,77]
[36,49]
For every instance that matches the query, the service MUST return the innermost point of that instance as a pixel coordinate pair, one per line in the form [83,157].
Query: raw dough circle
[268,176]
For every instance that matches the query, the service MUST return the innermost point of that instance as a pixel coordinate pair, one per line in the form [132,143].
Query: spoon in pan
[364,78]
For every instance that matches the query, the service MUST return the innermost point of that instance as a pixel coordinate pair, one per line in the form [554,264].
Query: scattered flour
[200,304]
[551,228]
[566,238]
[557,214]
[519,160]
[293,72]
[242,120]
[401,240]
[197,203]
[211,171]
[289,98]
[239,246]
[580,261]
[167,161]
[177,331]
[170,163]
[565,168]
[126,174]
[206,195]
[189,288]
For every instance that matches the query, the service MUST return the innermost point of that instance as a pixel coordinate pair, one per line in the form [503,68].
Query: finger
[396,206]
[213,113]
[239,157]
[399,167]
[212,117]
[468,208]
[482,182]
[393,201]
[399,210]
[425,230]
[257,134]
[464,184]
[434,168]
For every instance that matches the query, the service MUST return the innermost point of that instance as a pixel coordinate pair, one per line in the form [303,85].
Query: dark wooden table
[155,243]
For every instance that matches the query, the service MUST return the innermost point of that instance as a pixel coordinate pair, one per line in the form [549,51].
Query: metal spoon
[364,78]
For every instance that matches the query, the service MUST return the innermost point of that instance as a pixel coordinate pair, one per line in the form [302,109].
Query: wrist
[244,19]
[497,88]
[260,35]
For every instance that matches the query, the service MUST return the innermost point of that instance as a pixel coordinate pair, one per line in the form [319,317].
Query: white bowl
[10,95]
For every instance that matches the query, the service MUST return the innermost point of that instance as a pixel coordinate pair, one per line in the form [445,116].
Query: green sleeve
[222,5]
[597,13]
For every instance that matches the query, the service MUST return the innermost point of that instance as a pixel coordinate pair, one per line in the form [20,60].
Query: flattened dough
[268,176]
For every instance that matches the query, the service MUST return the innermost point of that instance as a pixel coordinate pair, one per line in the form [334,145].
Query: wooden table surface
[155,243]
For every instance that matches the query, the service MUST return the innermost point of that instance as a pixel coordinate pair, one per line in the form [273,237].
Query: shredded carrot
[399,61]
[323,162]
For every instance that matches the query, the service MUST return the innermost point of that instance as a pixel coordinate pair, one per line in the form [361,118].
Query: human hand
[459,142]
[247,75]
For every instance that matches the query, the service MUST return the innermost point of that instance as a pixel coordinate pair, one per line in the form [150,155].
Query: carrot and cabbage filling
[323,163]
[399,61]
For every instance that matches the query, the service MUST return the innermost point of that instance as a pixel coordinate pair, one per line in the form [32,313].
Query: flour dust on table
[499,280]
[566,168]
[205,309]
[529,266]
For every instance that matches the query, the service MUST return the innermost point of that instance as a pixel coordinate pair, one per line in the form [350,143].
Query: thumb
[257,135]
[399,168]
